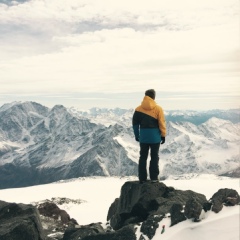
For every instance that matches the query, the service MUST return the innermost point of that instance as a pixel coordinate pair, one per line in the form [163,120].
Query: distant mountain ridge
[111,116]
[199,117]
[41,145]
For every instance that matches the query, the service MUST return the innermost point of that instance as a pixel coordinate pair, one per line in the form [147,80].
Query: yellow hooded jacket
[149,122]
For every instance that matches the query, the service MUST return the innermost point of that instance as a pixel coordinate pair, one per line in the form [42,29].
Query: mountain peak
[216,121]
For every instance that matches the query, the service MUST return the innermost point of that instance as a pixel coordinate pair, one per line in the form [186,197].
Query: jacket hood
[148,103]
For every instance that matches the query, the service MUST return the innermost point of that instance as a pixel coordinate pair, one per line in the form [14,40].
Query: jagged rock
[95,231]
[54,220]
[19,220]
[193,209]
[125,233]
[79,232]
[207,206]
[50,209]
[172,196]
[138,201]
[150,225]
[135,202]
[177,214]
[142,237]
[224,196]
[112,209]
[217,206]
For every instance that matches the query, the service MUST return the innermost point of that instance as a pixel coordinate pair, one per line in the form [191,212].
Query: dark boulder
[96,232]
[207,206]
[135,202]
[19,221]
[139,201]
[173,196]
[79,232]
[224,196]
[177,214]
[50,209]
[112,209]
[217,206]
[54,219]
[150,225]
[125,233]
[193,209]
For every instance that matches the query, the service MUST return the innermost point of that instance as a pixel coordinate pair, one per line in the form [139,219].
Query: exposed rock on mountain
[150,225]
[79,232]
[40,145]
[227,197]
[177,214]
[50,209]
[95,231]
[20,221]
[54,220]
[139,201]
[235,173]
[147,204]
[193,209]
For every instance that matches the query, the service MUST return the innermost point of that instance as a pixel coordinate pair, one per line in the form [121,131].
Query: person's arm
[162,124]
[135,125]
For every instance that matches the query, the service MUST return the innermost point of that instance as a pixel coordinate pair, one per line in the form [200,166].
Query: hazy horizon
[116,107]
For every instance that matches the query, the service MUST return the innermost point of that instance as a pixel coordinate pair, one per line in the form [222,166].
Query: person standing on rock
[149,128]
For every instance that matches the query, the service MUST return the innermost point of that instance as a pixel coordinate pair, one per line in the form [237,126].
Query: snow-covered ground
[97,194]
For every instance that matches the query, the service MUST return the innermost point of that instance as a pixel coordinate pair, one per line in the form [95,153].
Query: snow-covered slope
[95,195]
[211,147]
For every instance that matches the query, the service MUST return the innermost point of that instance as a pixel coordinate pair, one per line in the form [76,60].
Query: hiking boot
[142,181]
[154,181]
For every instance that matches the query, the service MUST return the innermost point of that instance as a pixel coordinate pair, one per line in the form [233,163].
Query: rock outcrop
[19,221]
[147,204]
[138,202]
[193,209]
[94,232]
[50,209]
[79,232]
[55,221]
[224,196]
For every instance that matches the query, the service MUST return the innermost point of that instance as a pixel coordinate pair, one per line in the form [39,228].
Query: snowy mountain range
[41,145]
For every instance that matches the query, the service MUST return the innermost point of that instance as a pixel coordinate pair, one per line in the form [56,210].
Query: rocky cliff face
[41,145]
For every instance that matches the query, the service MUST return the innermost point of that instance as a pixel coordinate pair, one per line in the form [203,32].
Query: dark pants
[153,166]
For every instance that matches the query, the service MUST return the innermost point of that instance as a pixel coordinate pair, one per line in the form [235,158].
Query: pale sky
[91,53]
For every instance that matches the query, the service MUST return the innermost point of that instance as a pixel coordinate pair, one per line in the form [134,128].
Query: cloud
[58,46]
